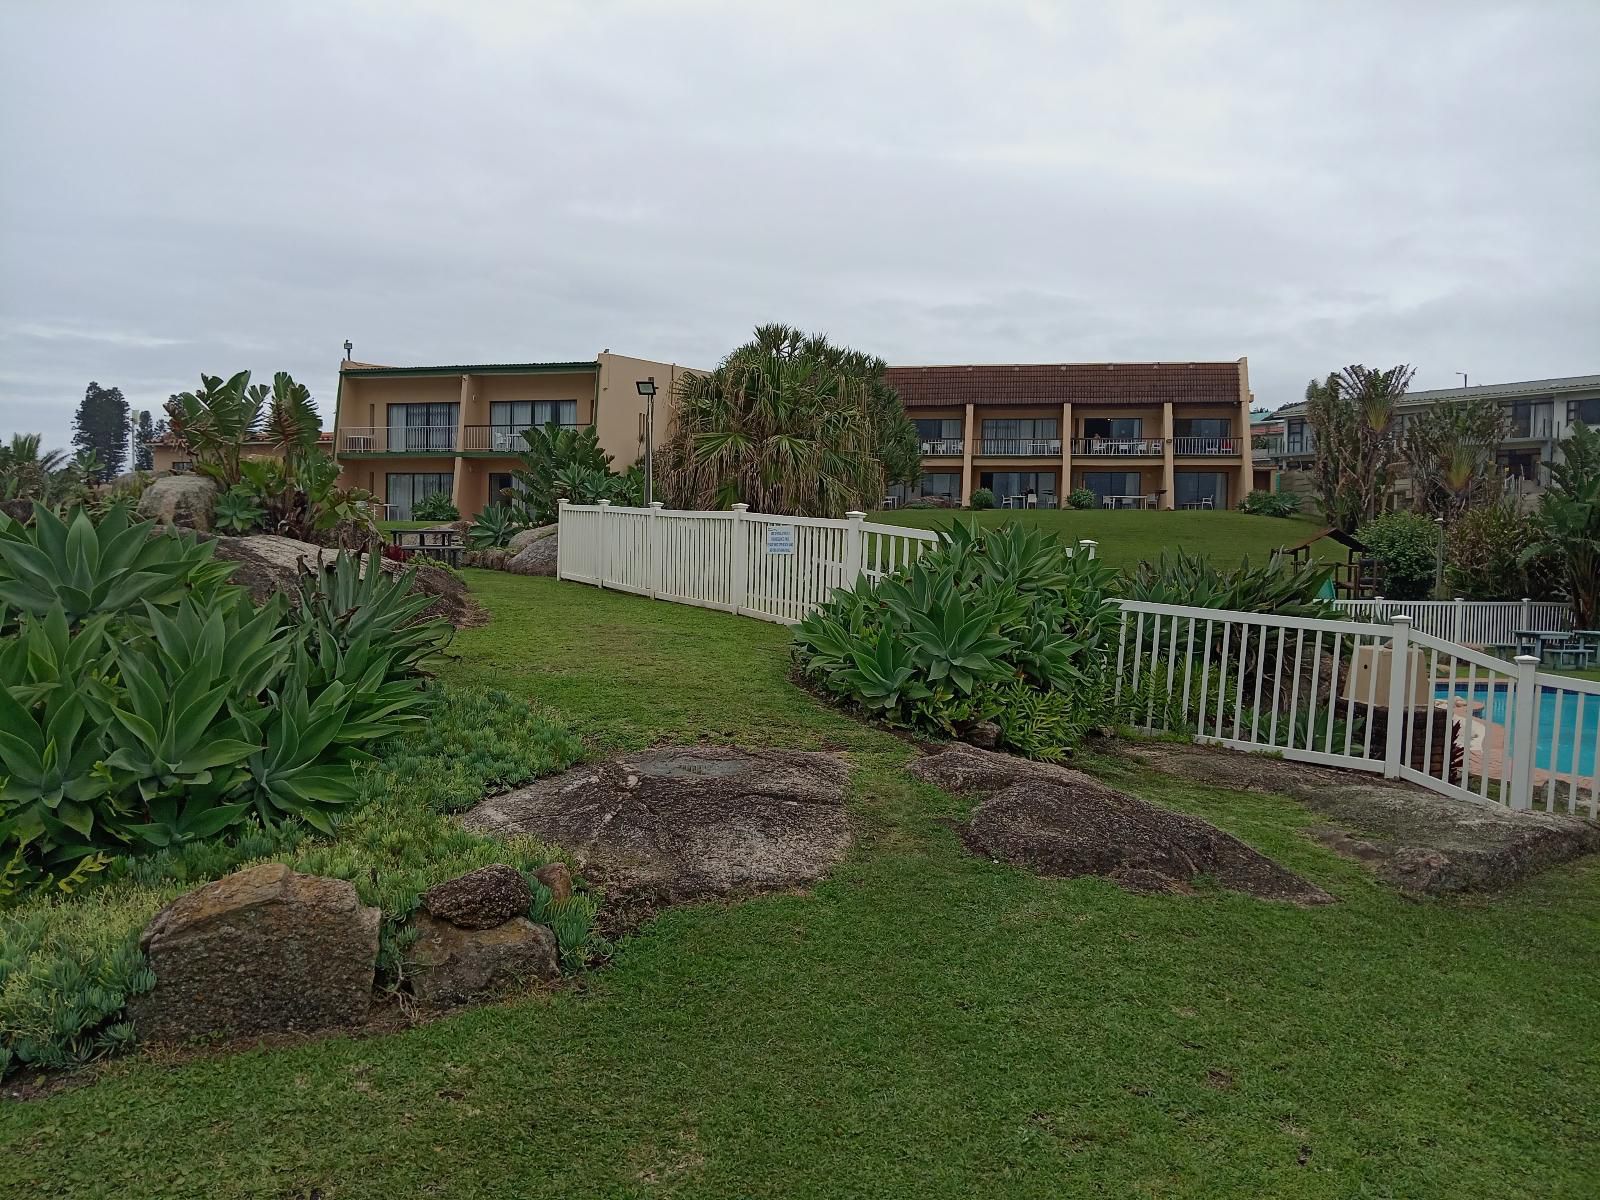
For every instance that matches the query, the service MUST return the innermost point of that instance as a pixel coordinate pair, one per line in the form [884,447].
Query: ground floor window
[1113,483]
[500,484]
[1021,488]
[1201,489]
[1522,464]
[933,485]
[403,491]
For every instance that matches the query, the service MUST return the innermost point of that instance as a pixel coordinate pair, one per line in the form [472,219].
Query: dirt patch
[1408,836]
[687,822]
[1057,821]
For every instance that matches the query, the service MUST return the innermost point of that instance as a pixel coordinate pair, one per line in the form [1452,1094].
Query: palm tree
[1569,522]
[29,472]
[1353,416]
[788,423]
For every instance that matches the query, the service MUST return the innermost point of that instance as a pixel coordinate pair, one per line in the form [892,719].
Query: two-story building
[1137,435]
[1539,414]
[404,433]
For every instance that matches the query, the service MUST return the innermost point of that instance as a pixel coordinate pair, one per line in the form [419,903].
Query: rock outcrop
[452,965]
[480,899]
[521,541]
[537,557]
[264,950]
[187,501]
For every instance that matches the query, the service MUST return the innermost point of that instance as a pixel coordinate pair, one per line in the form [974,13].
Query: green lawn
[924,1024]
[1128,537]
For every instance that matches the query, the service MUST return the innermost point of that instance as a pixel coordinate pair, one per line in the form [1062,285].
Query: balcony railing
[1095,447]
[1020,447]
[1197,446]
[397,439]
[942,447]
[501,439]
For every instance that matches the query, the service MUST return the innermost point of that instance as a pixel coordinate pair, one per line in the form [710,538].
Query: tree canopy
[101,428]
[788,423]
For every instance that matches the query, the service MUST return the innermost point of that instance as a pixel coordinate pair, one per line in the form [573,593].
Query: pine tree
[101,428]
[144,435]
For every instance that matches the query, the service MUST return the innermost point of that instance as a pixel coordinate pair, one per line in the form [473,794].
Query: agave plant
[493,528]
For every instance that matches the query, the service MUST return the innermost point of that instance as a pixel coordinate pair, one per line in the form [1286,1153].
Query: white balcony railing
[1020,447]
[1197,446]
[1095,447]
[943,447]
[501,439]
[397,439]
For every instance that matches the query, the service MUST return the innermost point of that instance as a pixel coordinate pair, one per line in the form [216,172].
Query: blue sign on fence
[780,539]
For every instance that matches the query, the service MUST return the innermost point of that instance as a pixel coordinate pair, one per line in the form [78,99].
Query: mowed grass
[1128,537]
[924,1024]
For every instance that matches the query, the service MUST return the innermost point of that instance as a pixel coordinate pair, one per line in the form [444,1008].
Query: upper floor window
[1113,427]
[1587,411]
[938,429]
[423,426]
[1202,427]
[520,414]
[1020,428]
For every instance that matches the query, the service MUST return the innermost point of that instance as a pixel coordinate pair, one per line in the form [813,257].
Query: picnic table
[446,544]
[1566,647]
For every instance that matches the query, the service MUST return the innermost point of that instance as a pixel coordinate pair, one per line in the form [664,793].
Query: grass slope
[1128,537]
[924,1024]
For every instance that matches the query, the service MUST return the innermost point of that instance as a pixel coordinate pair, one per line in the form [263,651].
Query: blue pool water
[1579,729]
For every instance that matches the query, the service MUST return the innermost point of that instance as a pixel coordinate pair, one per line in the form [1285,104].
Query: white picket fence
[1478,623]
[758,565]
[1370,696]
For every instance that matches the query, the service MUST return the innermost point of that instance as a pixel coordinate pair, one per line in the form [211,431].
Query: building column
[966,460]
[1064,485]
[1247,462]
[1169,477]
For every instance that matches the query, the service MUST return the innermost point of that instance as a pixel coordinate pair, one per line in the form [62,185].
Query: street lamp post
[647,389]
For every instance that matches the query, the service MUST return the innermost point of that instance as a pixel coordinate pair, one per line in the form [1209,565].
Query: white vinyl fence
[775,568]
[1471,622]
[1368,696]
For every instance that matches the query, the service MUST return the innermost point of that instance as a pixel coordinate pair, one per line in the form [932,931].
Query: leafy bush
[982,498]
[237,510]
[300,496]
[1271,504]
[1279,585]
[1568,523]
[145,702]
[1406,548]
[435,507]
[1483,555]
[68,967]
[945,642]
[1080,498]
[493,528]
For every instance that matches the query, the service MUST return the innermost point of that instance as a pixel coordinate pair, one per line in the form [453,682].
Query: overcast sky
[194,187]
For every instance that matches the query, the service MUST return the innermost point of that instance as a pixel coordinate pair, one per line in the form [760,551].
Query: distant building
[1147,435]
[404,433]
[1541,413]
[170,454]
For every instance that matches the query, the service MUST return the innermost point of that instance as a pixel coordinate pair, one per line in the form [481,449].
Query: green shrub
[1279,585]
[568,464]
[1271,504]
[435,507]
[493,528]
[944,643]
[1483,555]
[1406,547]
[237,510]
[68,965]
[982,498]
[145,702]
[1081,498]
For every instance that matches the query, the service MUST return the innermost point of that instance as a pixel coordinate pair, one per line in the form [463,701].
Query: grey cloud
[204,188]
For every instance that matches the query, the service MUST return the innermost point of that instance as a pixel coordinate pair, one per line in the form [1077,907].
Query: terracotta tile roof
[1054,383]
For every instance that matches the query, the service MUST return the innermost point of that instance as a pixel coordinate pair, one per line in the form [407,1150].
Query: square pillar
[1169,477]
[1247,462]
[966,459]
[1064,486]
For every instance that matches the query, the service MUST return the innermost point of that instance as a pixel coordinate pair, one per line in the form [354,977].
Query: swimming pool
[1578,712]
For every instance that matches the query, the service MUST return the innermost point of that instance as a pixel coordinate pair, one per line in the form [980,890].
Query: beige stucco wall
[619,409]
[363,403]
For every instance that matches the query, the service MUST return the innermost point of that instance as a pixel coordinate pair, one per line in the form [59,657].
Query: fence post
[854,537]
[1526,615]
[654,556]
[603,566]
[1460,620]
[1524,717]
[1399,665]
[739,585]
[1088,546]
[561,542]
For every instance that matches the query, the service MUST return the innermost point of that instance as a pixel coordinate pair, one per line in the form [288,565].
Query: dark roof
[361,369]
[1055,383]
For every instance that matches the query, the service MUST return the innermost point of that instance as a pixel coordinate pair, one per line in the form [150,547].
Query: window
[403,490]
[1017,486]
[423,427]
[1113,483]
[501,482]
[1202,427]
[1196,488]
[1300,438]
[1587,411]
[1021,435]
[1521,464]
[1530,419]
[517,415]
[182,467]
[934,485]
[939,435]
[1115,428]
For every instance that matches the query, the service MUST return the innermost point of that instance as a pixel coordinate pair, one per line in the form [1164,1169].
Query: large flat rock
[683,822]
[1408,836]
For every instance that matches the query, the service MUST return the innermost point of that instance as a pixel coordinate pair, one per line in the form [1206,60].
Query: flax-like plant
[788,423]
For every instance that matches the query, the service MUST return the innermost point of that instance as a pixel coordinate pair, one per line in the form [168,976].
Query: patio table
[1562,644]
